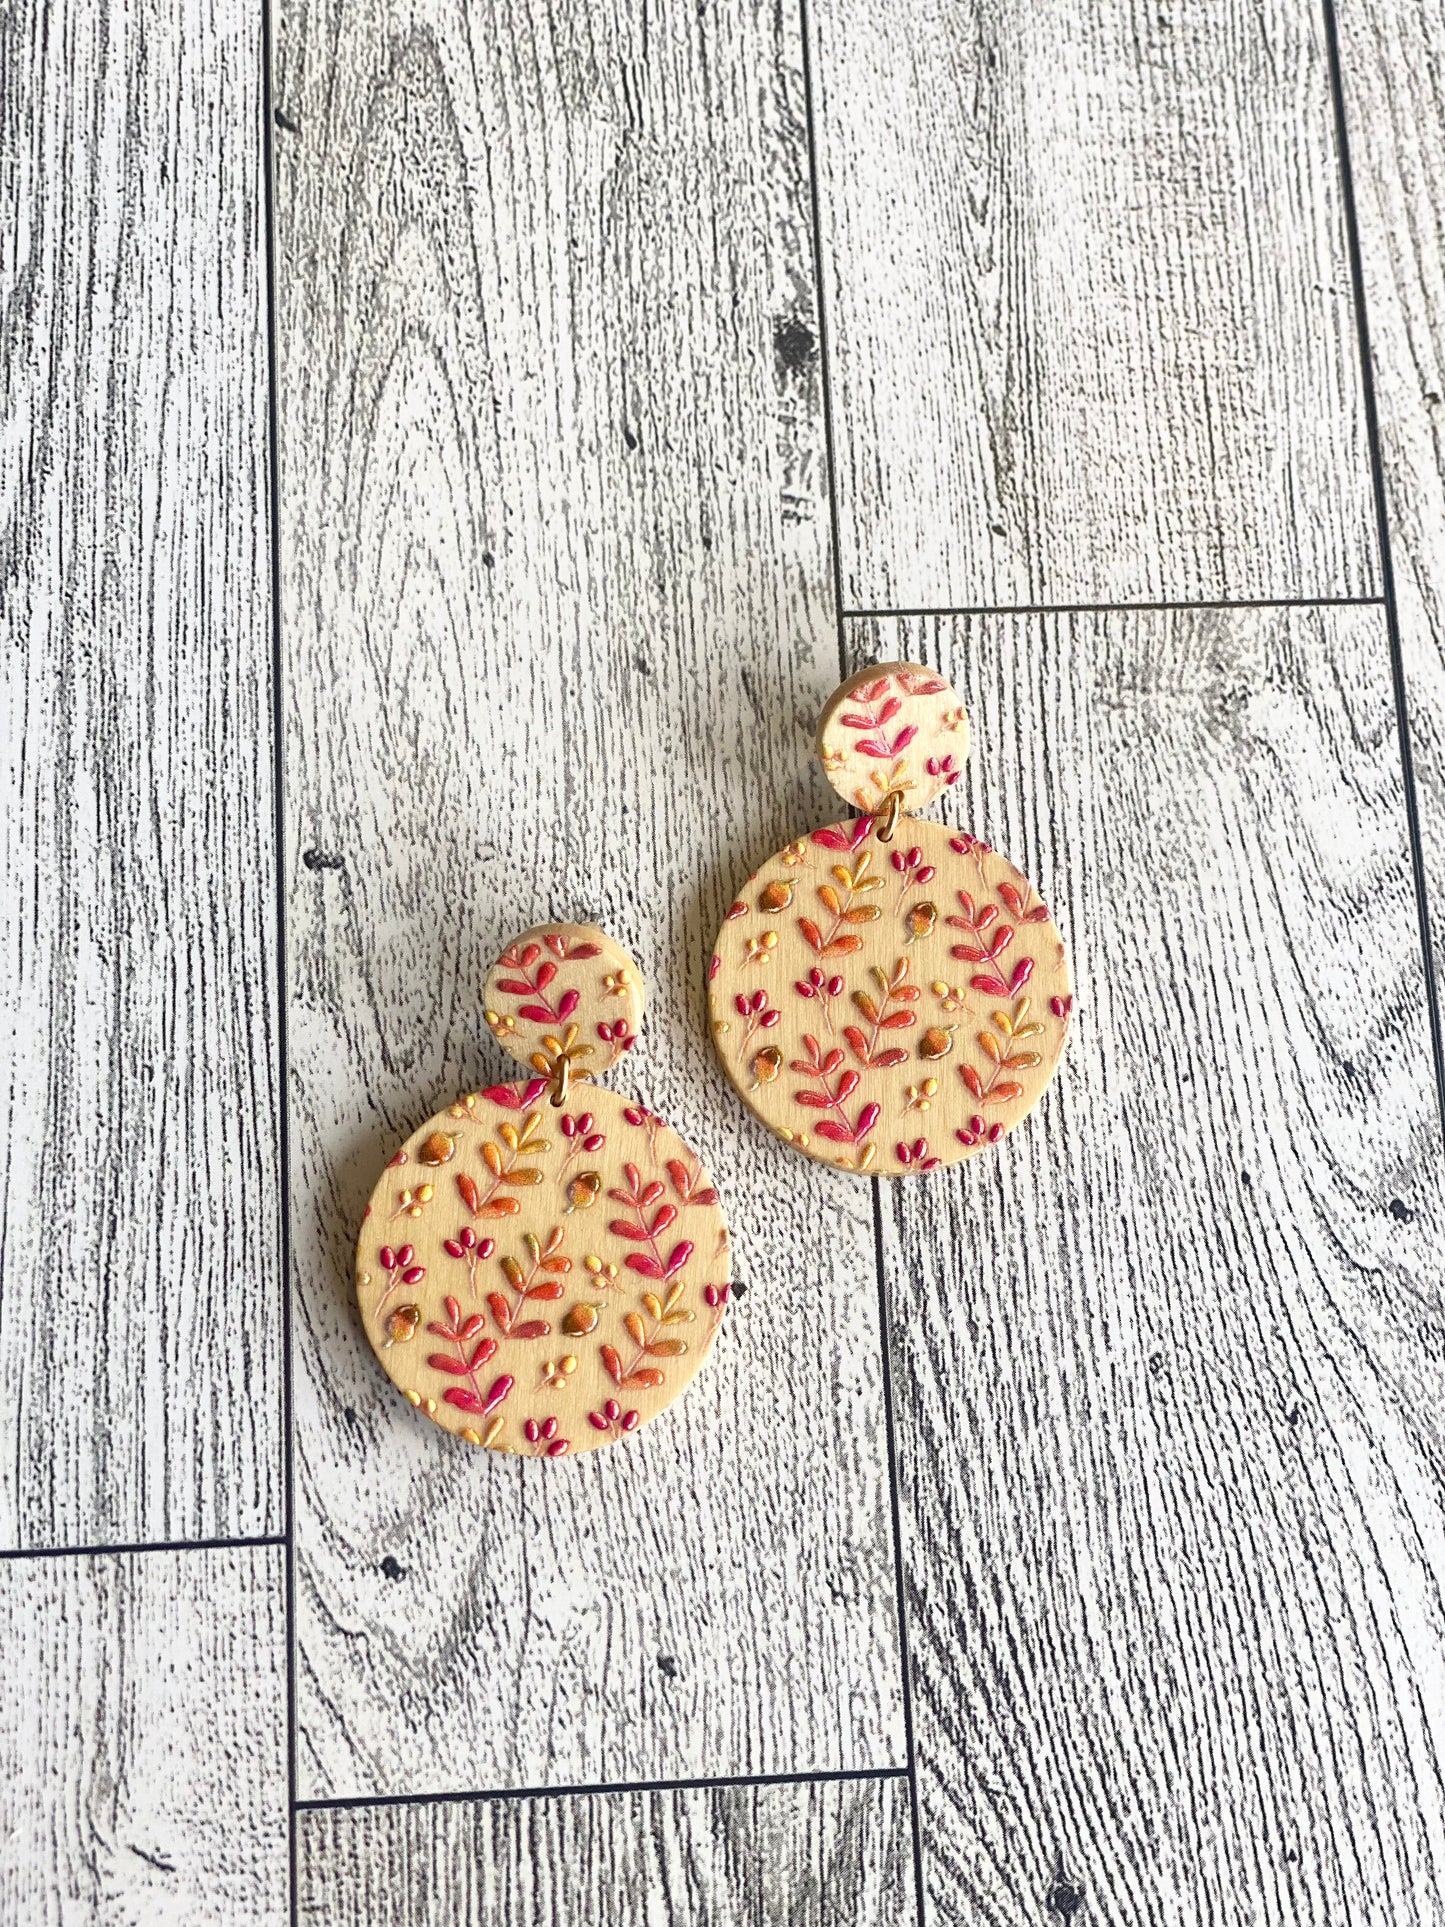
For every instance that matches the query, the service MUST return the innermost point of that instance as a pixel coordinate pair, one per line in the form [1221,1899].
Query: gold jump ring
[563,1080]
[889,810]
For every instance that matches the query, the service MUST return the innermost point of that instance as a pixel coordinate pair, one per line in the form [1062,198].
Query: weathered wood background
[1062,1540]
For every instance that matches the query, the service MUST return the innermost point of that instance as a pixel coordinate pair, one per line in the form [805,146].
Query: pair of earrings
[544,1265]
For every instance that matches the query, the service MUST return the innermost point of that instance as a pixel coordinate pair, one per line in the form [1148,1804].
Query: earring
[886,994]
[544,1265]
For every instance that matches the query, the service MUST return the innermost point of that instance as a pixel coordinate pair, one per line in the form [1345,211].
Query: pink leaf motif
[568,1002]
[512,1099]
[535,1014]
[500,1388]
[463,1397]
[1023,970]
[644,1263]
[835,1132]
[991,986]
[836,838]
[904,738]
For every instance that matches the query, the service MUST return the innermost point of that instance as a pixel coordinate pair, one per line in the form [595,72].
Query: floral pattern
[565,989]
[894,727]
[925,976]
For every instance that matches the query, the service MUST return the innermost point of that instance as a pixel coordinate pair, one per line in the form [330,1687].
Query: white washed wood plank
[1088,305]
[1167,1372]
[557,624]
[143,1740]
[140,1315]
[1392,62]
[833,1854]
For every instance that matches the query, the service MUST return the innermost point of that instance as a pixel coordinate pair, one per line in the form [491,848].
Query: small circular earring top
[566,1000]
[892,738]
[544,1265]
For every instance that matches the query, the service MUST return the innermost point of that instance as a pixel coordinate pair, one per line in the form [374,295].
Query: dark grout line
[1382,531]
[885,1340]
[830,460]
[823,1777]
[278,777]
[151,1545]
[830,453]
[1117,608]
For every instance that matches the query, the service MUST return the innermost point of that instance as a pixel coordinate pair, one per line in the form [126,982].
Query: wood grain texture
[139,1321]
[819,1855]
[557,629]
[1088,305]
[1166,1375]
[142,1745]
[1392,62]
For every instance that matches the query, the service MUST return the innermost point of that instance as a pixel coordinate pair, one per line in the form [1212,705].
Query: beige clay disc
[889,1008]
[561,981]
[543,1280]
[894,726]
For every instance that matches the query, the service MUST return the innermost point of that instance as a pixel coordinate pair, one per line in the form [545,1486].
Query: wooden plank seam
[273,442]
[884,1337]
[1382,536]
